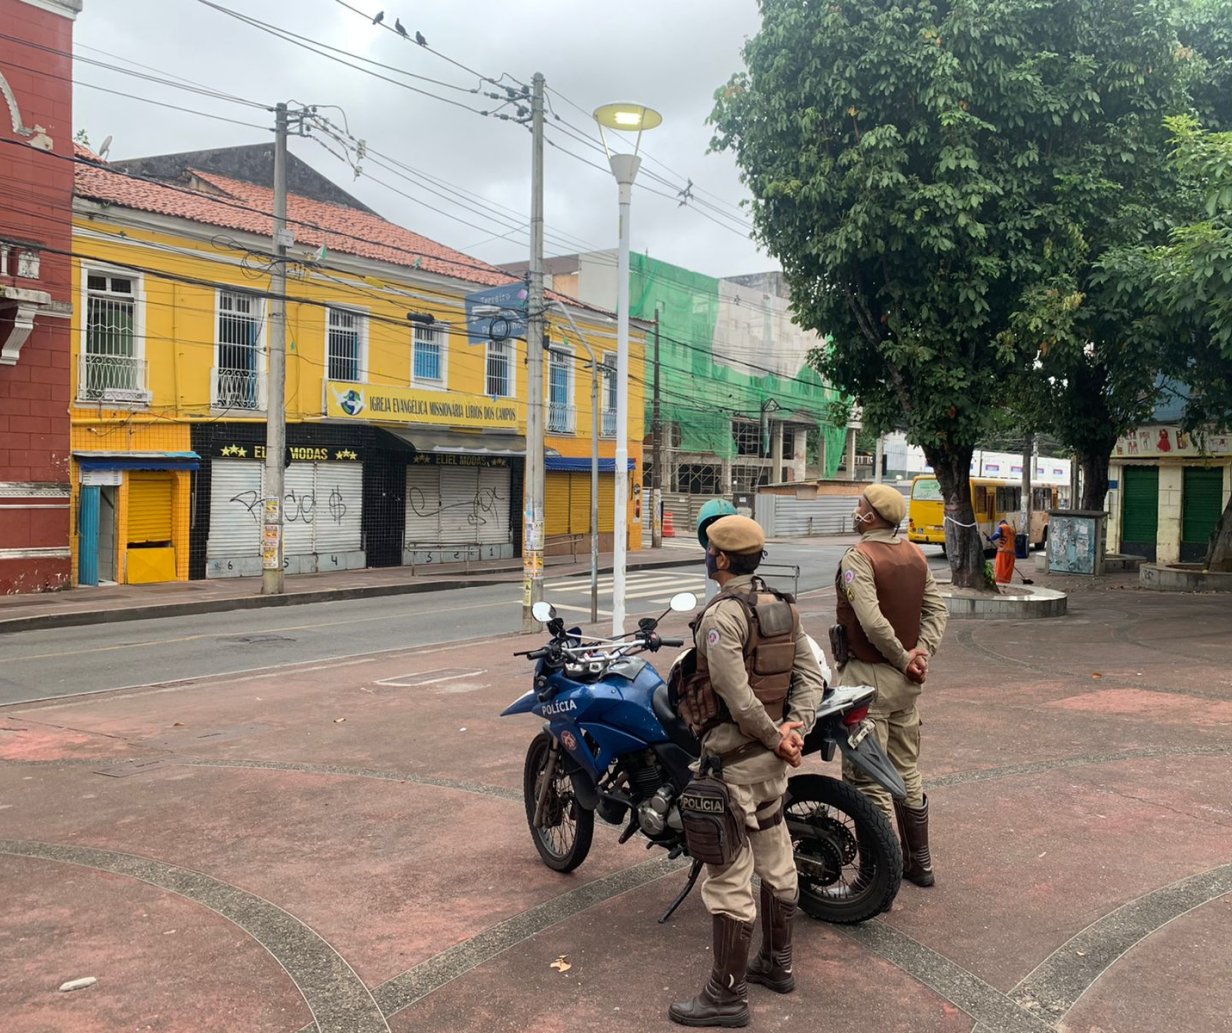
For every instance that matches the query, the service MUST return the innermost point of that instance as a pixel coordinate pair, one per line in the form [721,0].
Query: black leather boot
[724,999]
[772,966]
[913,833]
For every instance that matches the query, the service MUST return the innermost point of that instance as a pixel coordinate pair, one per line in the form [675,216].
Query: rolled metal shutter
[236,510]
[149,507]
[556,504]
[1140,511]
[299,509]
[1201,508]
[339,507]
[492,505]
[460,514]
[423,505]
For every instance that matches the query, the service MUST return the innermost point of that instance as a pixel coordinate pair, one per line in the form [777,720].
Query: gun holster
[838,644]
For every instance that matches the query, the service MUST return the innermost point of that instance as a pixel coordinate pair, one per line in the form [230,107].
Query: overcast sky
[668,54]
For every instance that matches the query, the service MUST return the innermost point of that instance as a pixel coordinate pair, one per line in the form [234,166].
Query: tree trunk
[1094,465]
[1219,549]
[963,543]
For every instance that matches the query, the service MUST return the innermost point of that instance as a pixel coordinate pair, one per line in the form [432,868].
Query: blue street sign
[496,313]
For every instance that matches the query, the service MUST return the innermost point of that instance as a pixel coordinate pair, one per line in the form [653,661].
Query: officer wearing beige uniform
[768,684]
[893,618]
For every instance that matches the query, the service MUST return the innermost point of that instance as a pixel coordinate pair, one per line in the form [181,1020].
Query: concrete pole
[878,458]
[276,407]
[1024,513]
[533,488]
[624,168]
[851,453]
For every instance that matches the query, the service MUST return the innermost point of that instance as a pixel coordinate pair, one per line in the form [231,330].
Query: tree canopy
[936,179]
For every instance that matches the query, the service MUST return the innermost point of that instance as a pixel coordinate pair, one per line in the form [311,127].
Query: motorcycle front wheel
[564,835]
[847,855]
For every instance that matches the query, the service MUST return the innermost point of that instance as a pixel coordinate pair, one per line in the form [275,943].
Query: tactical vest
[900,573]
[769,656]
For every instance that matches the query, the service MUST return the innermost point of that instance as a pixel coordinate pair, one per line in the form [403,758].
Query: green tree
[923,170]
[1184,292]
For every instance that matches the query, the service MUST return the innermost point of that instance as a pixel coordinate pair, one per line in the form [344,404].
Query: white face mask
[858,519]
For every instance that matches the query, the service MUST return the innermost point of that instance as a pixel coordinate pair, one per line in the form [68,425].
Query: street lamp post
[624,118]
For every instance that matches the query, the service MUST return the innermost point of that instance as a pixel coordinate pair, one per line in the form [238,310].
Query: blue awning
[582,465]
[138,460]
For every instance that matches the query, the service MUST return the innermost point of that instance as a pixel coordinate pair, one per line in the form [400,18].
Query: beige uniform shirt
[856,577]
[720,639]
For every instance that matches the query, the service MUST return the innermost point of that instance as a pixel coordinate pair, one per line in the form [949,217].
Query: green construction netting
[701,395]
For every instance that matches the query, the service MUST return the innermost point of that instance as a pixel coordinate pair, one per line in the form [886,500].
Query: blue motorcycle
[612,745]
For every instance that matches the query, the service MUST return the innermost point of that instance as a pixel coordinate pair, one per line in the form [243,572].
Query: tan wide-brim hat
[888,502]
[736,534]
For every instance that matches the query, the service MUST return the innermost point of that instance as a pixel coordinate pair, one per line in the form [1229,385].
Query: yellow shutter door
[580,502]
[556,502]
[149,507]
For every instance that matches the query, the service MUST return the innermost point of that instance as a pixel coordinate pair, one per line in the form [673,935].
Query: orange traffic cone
[669,528]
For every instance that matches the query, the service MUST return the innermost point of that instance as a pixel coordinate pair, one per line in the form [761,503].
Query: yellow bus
[993,500]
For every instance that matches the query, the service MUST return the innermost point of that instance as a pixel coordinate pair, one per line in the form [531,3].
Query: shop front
[323,500]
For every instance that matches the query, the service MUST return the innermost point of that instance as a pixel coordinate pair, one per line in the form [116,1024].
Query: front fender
[524,704]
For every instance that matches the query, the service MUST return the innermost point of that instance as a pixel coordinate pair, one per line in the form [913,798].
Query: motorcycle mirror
[543,612]
[683,602]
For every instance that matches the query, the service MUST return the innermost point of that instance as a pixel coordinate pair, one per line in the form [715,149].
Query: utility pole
[276,407]
[1028,464]
[656,484]
[533,493]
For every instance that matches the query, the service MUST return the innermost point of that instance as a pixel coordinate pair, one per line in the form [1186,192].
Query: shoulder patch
[712,637]
[848,576]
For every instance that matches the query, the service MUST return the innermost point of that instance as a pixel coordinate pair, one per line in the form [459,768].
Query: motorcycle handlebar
[671,642]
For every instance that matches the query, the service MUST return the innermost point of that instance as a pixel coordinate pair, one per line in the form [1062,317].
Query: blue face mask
[712,564]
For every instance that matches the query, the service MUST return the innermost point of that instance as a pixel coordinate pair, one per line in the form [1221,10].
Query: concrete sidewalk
[342,846]
[79,606]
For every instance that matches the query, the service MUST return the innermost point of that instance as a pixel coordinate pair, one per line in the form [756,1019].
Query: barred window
[499,382]
[345,345]
[427,366]
[111,365]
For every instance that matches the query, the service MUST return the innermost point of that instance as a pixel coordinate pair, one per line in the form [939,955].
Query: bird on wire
[419,38]
[380,17]
[401,29]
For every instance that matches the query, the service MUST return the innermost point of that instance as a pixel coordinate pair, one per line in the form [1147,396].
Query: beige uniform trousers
[729,890]
[894,713]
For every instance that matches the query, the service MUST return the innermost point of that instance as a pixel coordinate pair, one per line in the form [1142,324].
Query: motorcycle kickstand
[694,872]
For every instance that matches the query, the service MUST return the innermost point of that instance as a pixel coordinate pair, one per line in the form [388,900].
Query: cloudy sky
[668,54]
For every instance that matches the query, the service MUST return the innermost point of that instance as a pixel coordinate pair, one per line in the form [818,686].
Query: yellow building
[405,390]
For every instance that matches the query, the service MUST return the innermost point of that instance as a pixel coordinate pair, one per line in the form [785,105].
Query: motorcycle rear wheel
[564,839]
[847,854]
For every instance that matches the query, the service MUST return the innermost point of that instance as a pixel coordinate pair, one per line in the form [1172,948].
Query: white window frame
[262,366]
[510,352]
[440,332]
[361,360]
[608,362]
[565,355]
[138,296]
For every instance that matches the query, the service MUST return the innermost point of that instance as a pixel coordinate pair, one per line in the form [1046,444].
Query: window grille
[239,351]
[111,360]
[427,363]
[345,345]
[498,382]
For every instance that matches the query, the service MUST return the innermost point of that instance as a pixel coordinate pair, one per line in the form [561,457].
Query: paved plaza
[344,843]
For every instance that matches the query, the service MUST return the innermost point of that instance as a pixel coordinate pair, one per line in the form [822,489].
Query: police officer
[893,618]
[761,746]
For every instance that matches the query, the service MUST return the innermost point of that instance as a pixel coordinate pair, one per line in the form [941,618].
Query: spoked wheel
[847,854]
[566,828]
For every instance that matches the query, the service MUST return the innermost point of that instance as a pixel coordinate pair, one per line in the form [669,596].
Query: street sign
[496,313]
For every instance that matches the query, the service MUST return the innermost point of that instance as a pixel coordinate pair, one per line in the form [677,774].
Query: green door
[1201,506]
[1140,511]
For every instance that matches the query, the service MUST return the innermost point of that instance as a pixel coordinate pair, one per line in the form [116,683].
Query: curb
[80,618]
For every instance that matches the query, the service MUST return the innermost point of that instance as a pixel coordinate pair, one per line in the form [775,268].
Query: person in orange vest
[1003,539]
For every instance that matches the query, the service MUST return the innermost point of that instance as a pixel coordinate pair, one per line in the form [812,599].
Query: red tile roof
[236,205]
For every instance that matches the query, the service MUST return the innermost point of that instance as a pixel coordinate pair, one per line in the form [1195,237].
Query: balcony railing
[560,419]
[112,378]
[607,423]
[237,389]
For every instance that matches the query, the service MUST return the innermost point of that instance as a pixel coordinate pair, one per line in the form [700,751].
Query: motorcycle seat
[676,729]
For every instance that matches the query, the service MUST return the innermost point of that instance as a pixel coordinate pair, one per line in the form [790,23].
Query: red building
[36,204]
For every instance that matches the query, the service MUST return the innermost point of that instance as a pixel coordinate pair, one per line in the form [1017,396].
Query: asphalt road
[94,658]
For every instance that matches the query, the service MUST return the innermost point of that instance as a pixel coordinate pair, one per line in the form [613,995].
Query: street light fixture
[623,118]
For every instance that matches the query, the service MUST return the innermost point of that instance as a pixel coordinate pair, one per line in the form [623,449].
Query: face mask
[712,564]
[858,520]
